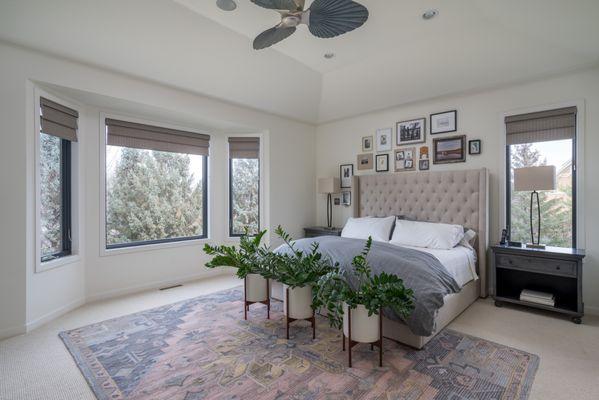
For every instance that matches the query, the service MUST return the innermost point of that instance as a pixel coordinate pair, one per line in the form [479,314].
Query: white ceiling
[395,58]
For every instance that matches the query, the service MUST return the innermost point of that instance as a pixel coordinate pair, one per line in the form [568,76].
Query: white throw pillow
[426,234]
[360,228]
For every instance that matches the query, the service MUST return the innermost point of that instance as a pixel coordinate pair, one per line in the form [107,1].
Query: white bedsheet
[460,262]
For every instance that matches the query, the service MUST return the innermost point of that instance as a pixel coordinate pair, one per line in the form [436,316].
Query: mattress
[460,262]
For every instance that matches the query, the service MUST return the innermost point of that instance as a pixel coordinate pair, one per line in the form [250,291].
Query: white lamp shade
[534,178]
[328,185]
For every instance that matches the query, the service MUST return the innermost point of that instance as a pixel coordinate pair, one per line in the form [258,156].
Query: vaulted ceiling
[395,58]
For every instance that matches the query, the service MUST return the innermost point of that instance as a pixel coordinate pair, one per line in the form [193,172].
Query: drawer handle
[558,267]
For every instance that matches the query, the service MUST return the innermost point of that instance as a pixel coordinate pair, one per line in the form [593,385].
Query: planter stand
[247,304]
[351,343]
[289,320]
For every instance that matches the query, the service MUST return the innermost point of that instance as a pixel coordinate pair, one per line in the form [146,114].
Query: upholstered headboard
[453,197]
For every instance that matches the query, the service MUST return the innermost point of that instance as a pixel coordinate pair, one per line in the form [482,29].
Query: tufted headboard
[453,197]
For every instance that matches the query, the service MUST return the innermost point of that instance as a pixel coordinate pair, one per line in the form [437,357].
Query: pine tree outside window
[537,139]
[244,185]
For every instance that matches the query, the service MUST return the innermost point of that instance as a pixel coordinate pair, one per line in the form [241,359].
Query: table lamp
[534,179]
[329,186]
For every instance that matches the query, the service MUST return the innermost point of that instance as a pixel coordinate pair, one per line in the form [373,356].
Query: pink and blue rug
[203,349]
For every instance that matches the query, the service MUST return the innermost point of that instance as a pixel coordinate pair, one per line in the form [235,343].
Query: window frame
[146,245]
[70,187]
[575,183]
[231,233]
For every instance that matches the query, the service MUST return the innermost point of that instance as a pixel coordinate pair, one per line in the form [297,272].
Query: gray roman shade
[244,147]
[58,120]
[541,126]
[141,136]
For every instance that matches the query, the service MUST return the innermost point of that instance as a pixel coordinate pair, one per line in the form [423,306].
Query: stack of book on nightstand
[533,296]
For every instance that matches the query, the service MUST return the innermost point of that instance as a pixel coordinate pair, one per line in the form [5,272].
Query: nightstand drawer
[319,231]
[537,264]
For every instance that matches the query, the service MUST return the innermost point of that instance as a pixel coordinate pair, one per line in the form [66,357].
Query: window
[244,185]
[536,139]
[58,128]
[156,185]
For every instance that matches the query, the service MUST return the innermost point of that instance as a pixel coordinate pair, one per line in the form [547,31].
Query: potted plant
[354,300]
[298,272]
[249,260]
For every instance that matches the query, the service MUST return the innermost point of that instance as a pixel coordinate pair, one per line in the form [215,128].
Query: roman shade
[244,147]
[58,120]
[141,136]
[541,126]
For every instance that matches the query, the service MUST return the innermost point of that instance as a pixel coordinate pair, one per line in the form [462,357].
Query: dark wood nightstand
[553,270]
[315,231]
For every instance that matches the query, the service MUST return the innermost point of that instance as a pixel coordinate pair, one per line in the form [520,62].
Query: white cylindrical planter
[364,328]
[255,288]
[300,302]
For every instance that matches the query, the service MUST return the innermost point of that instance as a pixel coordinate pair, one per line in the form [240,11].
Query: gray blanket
[420,271]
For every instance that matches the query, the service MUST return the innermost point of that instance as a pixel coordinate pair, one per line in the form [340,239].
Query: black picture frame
[424,165]
[477,151]
[435,131]
[421,138]
[449,156]
[351,168]
[376,163]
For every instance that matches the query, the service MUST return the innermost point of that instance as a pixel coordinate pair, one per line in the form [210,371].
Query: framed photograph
[449,150]
[404,159]
[474,147]
[444,122]
[364,161]
[412,131]
[383,139]
[346,198]
[337,201]
[367,143]
[424,165]
[346,172]
[382,162]
[424,153]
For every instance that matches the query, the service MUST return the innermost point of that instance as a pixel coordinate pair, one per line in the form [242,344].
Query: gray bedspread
[420,271]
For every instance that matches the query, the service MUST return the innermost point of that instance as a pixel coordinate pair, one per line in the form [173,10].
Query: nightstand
[321,231]
[553,270]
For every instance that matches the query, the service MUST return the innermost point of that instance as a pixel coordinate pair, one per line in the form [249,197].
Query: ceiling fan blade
[330,18]
[272,36]
[289,5]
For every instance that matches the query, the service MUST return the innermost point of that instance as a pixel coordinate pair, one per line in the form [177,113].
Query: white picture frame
[384,139]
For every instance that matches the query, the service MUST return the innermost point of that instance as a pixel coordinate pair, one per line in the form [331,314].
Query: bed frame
[453,197]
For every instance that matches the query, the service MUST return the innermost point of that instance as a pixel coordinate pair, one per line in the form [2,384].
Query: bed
[454,197]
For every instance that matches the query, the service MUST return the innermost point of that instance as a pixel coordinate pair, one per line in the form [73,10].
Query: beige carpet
[37,365]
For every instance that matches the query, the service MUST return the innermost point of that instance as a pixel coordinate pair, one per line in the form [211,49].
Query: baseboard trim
[12,331]
[590,310]
[110,294]
[44,319]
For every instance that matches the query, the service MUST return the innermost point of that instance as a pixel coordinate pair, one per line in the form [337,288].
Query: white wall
[480,117]
[28,298]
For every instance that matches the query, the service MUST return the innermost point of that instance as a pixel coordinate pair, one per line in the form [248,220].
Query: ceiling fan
[324,18]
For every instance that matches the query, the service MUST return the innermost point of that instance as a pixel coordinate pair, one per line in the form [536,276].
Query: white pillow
[360,228]
[426,234]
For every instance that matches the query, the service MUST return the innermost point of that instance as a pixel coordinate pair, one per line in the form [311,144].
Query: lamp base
[535,246]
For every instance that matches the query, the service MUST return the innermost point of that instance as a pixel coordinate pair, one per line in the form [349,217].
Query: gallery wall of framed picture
[407,147]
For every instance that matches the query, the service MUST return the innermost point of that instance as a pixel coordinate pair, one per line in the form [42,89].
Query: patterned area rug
[203,349]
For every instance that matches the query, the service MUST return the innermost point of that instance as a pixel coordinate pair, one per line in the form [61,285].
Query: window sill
[104,252]
[57,263]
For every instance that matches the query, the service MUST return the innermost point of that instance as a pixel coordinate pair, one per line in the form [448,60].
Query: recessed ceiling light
[430,14]
[328,56]
[226,5]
